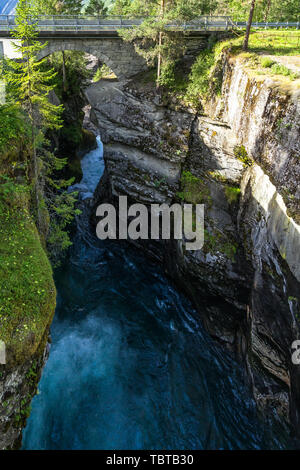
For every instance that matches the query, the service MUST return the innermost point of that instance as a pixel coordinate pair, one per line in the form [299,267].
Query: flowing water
[130,365]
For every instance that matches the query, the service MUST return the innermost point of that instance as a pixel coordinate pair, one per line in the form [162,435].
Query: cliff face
[244,154]
[263,114]
[145,143]
[18,385]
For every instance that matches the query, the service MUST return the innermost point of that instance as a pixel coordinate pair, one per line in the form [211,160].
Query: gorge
[154,346]
[131,366]
[250,260]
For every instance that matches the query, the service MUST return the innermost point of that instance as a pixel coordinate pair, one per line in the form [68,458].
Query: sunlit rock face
[144,142]
[264,115]
[250,257]
[272,239]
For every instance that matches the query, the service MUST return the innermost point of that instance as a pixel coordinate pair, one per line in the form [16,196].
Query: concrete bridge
[72,25]
[99,37]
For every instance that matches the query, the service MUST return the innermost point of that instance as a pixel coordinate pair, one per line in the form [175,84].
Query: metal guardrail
[113,23]
[93,24]
[270,25]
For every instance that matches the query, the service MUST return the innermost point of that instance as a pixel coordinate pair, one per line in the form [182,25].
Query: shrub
[194,190]
[232,193]
[103,72]
[14,127]
[266,62]
[278,69]
[198,81]
[241,154]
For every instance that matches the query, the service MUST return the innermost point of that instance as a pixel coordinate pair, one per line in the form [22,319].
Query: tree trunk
[64,72]
[267,11]
[34,155]
[36,182]
[245,46]
[159,58]
[35,165]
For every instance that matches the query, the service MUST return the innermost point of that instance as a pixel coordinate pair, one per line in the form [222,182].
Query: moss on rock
[27,290]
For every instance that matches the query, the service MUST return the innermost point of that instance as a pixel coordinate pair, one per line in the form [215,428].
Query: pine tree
[96,8]
[121,7]
[31,86]
[29,82]
[153,39]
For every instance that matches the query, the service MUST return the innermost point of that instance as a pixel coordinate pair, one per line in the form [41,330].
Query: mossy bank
[27,305]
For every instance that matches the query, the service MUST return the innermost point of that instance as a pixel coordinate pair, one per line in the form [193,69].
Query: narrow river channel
[130,365]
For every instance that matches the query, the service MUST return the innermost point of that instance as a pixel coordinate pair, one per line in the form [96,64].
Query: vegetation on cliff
[207,74]
[29,84]
[27,294]
[35,208]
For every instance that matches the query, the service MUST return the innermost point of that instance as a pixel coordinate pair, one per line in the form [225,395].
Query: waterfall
[92,165]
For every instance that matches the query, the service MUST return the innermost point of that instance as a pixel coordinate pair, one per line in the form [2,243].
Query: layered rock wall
[244,153]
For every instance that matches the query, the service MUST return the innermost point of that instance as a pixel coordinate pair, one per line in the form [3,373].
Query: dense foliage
[265,10]
[29,85]
[14,129]
[96,8]
[75,70]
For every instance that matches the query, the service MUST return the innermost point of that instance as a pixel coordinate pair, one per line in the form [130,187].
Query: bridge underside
[102,34]
[107,46]
[120,56]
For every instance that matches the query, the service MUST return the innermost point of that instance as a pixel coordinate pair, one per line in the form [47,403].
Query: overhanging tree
[59,7]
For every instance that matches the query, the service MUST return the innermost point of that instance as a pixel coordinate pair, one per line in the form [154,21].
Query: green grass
[27,291]
[266,62]
[273,42]
[207,73]
[267,42]
[276,69]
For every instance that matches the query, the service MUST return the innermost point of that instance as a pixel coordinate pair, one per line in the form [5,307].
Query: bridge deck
[69,26]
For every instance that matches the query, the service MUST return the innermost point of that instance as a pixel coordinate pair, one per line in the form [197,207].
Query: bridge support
[120,56]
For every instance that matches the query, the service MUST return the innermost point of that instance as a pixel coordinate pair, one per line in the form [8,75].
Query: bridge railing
[112,23]
[86,23]
[270,25]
